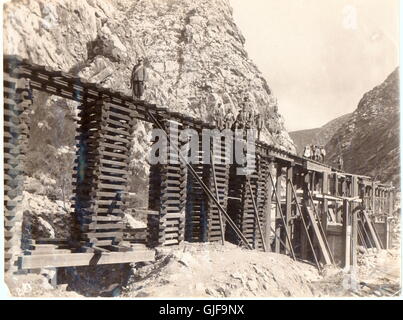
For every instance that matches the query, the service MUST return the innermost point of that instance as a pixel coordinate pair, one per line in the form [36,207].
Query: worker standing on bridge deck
[240,121]
[312,147]
[249,120]
[218,117]
[259,124]
[307,151]
[323,153]
[317,153]
[229,119]
[138,79]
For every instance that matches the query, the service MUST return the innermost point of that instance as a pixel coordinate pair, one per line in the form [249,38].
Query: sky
[319,57]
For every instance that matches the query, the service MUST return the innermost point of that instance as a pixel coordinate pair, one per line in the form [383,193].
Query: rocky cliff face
[369,140]
[193,50]
[318,136]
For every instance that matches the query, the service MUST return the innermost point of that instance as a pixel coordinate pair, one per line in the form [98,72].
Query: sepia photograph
[212,149]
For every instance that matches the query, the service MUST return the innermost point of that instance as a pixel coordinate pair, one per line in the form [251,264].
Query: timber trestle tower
[285,204]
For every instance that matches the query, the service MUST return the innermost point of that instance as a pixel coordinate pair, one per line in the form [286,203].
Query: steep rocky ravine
[318,136]
[369,140]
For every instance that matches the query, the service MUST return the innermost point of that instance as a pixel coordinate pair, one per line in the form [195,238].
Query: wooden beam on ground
[85,259]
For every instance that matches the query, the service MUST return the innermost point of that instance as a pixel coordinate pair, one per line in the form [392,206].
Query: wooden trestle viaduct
[288,204]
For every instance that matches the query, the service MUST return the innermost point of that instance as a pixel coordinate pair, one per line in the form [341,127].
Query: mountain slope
[319,136]
[369,140]
[193,50]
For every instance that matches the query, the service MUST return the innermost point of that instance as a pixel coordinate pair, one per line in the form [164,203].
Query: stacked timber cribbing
[262,197]
[221,174]
[154,202]
[248,220]
[240,207]
[235,192]
[196,202]
[101,174]
[104,145]
[167,194]
[17,101]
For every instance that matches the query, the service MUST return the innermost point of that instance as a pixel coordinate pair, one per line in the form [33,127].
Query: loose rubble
[210,270]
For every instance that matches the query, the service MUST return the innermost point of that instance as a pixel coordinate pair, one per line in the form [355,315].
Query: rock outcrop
[193,50]
[369,140]
[318,136]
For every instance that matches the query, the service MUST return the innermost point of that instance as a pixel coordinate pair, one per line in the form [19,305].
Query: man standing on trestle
[138,79]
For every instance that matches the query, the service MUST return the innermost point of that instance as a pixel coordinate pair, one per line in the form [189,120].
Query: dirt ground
[377,275]
[211,270]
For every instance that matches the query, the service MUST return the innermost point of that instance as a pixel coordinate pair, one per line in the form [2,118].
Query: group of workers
[224,119]
[315,152]
[318,153]
[245,119]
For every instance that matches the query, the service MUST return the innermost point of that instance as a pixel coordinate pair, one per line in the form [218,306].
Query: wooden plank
[318,236]
[97,202]
[332,215]
[100,242]
[114,155]
[113,234]
[371,229]
[171,242]
[85,259]
[104,226]
[104,218]
[314,166]
[47,251]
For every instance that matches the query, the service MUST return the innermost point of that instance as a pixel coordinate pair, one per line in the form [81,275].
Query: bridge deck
[72,87]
